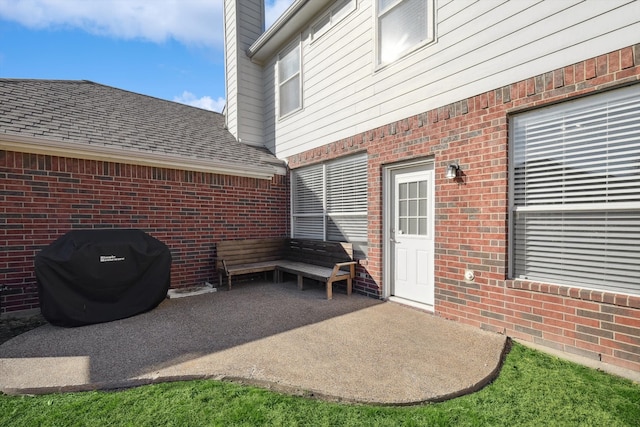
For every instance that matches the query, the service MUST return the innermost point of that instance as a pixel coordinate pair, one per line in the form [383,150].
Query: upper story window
[336,13]
[402,26]
[289,79]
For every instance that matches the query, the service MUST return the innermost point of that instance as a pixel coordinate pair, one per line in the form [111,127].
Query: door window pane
[413,208]
[402,205]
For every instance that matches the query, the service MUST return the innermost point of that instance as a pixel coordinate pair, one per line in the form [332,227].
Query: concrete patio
[353,349]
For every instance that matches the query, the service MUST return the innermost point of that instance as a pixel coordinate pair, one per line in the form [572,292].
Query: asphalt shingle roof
[95,115]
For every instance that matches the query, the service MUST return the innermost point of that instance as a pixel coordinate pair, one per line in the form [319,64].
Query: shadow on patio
[355,349]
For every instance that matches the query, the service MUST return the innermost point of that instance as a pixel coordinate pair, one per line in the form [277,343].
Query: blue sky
[164,48]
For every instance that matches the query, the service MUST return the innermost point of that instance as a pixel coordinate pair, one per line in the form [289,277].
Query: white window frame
[574,214]
[329,209]
[296,45]
[379,15]
[345,7]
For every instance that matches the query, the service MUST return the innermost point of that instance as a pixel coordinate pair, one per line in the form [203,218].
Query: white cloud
[192,22]
[205,102]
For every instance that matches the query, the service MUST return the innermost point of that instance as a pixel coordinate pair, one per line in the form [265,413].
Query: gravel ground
[272,336]
[12,327]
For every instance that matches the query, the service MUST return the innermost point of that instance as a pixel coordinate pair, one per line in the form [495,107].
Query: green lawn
[533,389]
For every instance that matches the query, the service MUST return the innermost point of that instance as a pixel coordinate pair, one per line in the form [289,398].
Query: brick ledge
[631,301]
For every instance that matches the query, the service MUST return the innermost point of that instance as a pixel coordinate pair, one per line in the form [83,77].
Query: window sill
[631,301]
[289,114]
[380,65]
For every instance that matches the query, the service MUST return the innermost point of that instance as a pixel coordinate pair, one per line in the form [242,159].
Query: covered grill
[93,276]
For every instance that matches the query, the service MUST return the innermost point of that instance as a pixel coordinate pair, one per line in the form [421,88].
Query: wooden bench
[236,257]
[326,262]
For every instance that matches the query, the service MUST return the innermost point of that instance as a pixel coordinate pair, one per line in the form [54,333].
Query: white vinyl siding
[575,195]
[336,13]
[231,68]
[290,79]
[478,46]
[402,26]
[244,102]
[329,201]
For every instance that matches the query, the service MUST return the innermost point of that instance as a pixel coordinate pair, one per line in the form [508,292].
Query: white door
[411,235]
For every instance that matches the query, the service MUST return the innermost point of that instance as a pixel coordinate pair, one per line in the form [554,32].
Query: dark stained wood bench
[326,262]
[237,257]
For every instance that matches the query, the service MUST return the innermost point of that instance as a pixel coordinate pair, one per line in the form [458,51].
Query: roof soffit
[293,21]
[54,147]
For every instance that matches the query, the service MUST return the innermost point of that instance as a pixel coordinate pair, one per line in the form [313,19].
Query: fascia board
[291,22]
[33,145]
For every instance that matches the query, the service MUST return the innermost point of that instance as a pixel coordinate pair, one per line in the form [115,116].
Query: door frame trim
[387,204]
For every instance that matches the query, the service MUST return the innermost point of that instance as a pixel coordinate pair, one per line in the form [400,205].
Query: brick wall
[472,215]
[43,197]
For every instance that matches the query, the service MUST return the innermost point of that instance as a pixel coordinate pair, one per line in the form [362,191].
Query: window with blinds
[329,201]
[402,26]
[575,193]
[307,191]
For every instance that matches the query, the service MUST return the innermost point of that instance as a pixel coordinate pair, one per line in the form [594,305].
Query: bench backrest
[317,252]
[236,252]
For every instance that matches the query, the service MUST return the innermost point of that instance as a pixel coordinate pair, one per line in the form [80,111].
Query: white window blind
[347,199]
[308,202]
[402,26]
[289,80]
[575,195]
[329,201]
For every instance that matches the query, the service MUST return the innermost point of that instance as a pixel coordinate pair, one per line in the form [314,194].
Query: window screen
[575,196]
[347,199]
[308,202]
[402,25]
[329,201]
[289,79]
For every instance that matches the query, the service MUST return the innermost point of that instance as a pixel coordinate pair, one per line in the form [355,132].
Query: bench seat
[316,272]
[326,262]
[248,268]
[236,257]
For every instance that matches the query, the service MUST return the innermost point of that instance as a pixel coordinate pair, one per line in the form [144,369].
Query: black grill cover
[93,276]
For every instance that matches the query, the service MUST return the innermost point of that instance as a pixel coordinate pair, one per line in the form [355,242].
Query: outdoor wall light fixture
[452,171]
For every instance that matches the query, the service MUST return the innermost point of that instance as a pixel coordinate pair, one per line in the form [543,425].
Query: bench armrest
[219,262]
[342,264]
[338,265]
